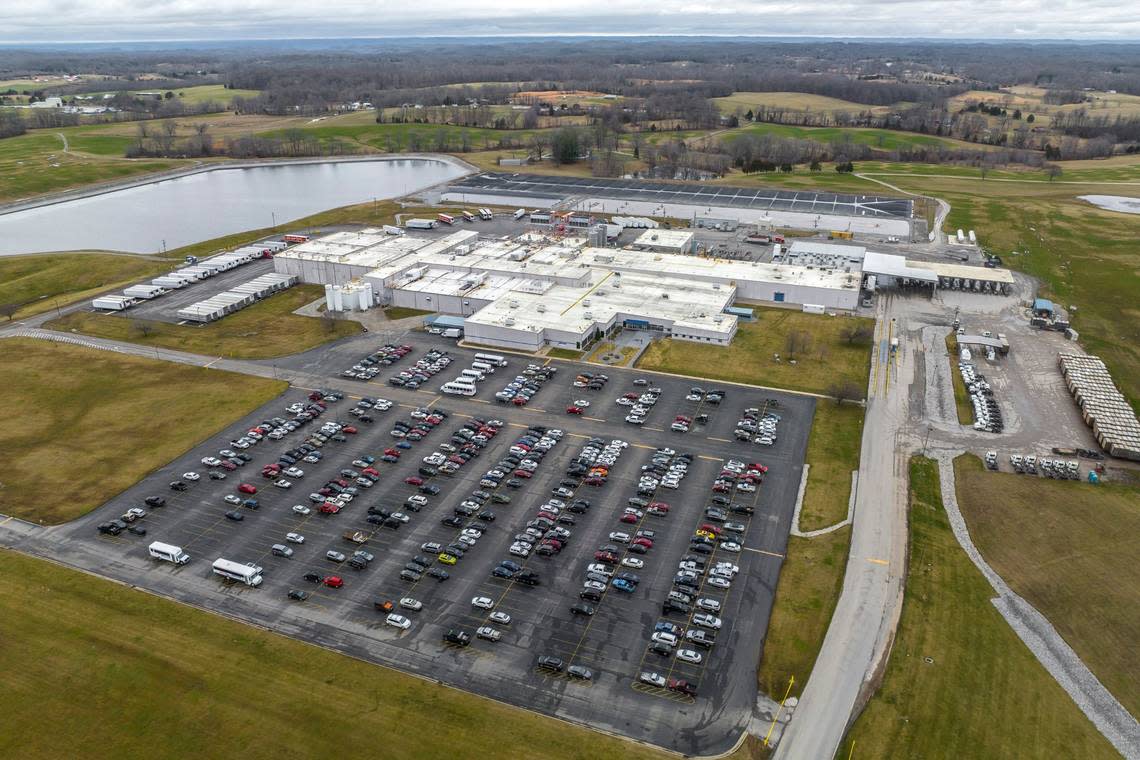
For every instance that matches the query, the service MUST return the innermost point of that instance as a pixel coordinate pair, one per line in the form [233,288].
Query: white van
[494,359]
[483,367]
[457,389]
[473,374]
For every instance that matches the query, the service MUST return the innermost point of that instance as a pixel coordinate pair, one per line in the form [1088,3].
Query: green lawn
[84,424]
[960,683]
[396,138]
[564,353]
[96,670]
[1070,549]
[833,452]
[264,330]
[42,282]
[881,139]
[962,403]
[810,581]
[826,357]
[402,312]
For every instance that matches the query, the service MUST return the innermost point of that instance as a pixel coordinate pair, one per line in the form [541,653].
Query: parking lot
[613,643]
[165,307]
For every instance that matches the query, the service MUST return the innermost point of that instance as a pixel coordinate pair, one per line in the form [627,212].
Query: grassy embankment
[1070,550]
[42,282]
[960,683]
[264,330]
[403,312]
[833,452]
[155,674]
[823,358]
[85,424]
[961,396]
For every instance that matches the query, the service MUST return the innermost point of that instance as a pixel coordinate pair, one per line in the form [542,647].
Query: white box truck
[169,282]
[168,553]
[520,214]
[392,230]
[421,224]
[452,332]
[144,291]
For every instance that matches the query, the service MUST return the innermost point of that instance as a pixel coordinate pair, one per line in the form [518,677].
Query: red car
[518,401]
[370,471]
[592,481]
[334,581]
[392,452]
[228,465]
[757,466]
[547,515]
[573,410]
[629,519]
[658,505]
[721,488]
[349,429]
[684,687]
[522,474]
[710,528]
[328,508]
[607,557]
[247,488]
[414,481]
[642,541]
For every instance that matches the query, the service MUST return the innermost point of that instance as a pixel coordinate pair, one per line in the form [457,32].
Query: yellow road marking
[595,419]
[878,561]
[711,459]
[763,551]
[724,440]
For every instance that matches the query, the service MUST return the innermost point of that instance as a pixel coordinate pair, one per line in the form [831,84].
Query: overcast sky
[102,20]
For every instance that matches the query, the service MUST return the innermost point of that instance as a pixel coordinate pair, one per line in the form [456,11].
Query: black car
[671,605]
[375,519]
[138,530]
[547,662]
[510,565]
[661,648]
[581,608]
[178,485]
[486,516]
[439,574]
[502,572]
[155,501]
[425,561]
[429,489]
[416,567]
[590,595]
[110,529]
[528,578]
[452,522]
[297,595]
[313,577]
[457,636]
[234,515]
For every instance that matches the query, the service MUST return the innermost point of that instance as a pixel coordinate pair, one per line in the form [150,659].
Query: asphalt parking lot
[165,307]
[613,643]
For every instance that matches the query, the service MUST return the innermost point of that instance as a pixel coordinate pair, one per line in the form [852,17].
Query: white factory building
[538,289]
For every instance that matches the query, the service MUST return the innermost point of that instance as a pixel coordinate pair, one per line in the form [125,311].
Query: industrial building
[547,287]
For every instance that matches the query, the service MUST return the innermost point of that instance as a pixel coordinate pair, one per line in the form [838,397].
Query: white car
[583,403]
[727,566]
[653,679]
[633,562]
[398,621]
[718,582]
[730,546]
[211,461]
[294,472]
[190,476]
[689,655]
[619,537]
[482,602]
[501,618]
[294,538]
[705,620]
[400,516]
[519,549]
[594,586]
[601,569]
[664,637]
[408,603]
[708,605]
[282,483]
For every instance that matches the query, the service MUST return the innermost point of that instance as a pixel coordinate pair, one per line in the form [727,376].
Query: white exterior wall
[319,272]
[506,337]
[832,298]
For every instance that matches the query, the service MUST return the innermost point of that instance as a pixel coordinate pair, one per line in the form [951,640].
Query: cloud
[96,20]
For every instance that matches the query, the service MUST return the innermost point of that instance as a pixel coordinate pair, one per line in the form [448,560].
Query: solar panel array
[694,194]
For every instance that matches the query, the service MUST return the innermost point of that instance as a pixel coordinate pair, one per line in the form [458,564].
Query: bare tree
[142,328]
[9,310]
[857,333]
[797,342]
[844,390]
[328,321]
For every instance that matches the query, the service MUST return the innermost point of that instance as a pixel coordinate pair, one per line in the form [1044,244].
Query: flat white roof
[659,238]
[890,265]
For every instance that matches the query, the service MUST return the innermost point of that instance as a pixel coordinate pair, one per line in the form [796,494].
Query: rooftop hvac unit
[716,286]
[718,319]
[541,308]
[665,296]
[509,321]
[617,283]
[586,302]
[513,304]
[588,315]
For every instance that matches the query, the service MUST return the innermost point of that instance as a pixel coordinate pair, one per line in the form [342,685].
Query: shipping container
[144,291]
[113,303]
[421,224]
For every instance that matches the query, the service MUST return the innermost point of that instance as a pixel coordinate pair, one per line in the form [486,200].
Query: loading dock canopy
[890,265]
[979,340]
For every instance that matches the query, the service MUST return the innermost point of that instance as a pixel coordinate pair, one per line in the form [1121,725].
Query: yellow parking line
[640,445]
[878,561]
[595,419]
[434,401]
[725,440]
[655,429]
[480,400]
[711,459]
[764,552]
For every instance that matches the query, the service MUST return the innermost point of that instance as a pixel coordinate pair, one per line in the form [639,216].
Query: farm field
[76,416]
[960,683]
[793,101]
[1069,549]
[882,139]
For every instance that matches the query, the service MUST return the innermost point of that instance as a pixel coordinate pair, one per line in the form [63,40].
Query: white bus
[494,359]
[250,575]
[483,367]
[458,389]
[473,374]
[168,553]
[446,218]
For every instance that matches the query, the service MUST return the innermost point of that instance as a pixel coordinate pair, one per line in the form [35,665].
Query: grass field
[35,163]
[810,581]
[1070,549]
[960,683]
[833,452]
[826,358]
[84,424]
[43,282]
[402,312]
[962,403]
[264,330]
[793,101]
[207,93]
[122,673]
[882,139]
[565,353]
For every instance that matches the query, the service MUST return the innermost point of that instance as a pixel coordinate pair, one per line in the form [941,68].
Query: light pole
[926,440]
[273,215]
